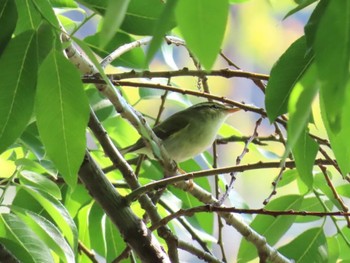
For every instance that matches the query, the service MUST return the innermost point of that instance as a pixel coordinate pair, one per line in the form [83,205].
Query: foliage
[65,109]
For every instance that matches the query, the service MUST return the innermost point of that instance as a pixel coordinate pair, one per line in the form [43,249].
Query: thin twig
[207,257]
[335,193]
[258,83]
[226,73]
[90,254]
[260,211]
[136,193]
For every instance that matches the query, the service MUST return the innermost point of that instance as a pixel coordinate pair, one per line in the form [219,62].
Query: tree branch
[132,229]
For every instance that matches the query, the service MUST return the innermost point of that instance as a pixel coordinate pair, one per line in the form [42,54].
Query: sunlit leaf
[202,24]
[304,152]
[310,246]
[58,213]
[112,19]
[62,113]
[339,138]
[48,233]
[272,228]
[332,54]
[40,182]
[163,24]
[97,228]
[33,248]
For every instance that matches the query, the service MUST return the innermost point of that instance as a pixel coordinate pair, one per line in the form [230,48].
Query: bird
[187,133]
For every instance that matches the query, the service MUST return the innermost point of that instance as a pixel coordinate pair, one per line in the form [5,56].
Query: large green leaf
[272,228]
[202,24]
[62,113]
[64,3]
[28,16]
[332,54]
[8,20]
[112,19]
[114,241]
[45,9]
[304,152]
[18,74]
[310,246]
[299,107]
[58,213]
[142,17]
[33,249]
[339,138]
[164,23]
[287,71]
[40,182]
[48,233]
[96,224]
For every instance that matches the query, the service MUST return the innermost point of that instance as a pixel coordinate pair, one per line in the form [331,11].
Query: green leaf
[48,233]
[45,9]
[35,250]
[320,184]
[8,20]
[62,113]
[164,23]
[287,71]
[300,6]
[96,225]
[299,105]
[333,250]
[64,3]
[338,139]
[142,17]
[313,23]
[28,16]
[15,248]
[332,54]
[344,190]
[17,90]
[272,228]
[304,152]
[112,19]
[58,213]
[75,199]
[134,58]
[310,204]
[202,24]
[114,241]
[288,177]
[47,40]
[310,246]
[30,139]
[99,6]
[40,182]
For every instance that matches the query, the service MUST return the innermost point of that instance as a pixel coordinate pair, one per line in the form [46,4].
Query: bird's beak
[232,110]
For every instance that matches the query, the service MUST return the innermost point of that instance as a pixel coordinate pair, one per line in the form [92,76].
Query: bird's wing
[171,125]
